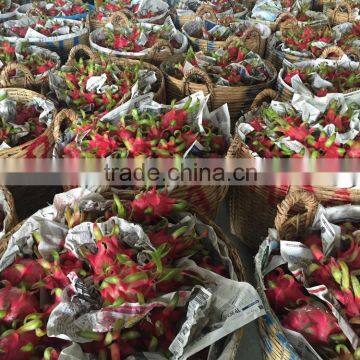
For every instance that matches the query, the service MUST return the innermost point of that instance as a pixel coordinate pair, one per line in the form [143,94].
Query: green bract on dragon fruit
[111,277]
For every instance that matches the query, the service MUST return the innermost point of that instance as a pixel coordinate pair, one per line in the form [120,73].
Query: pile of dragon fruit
[110,278]
[22,121]
[319,297]
[154,130]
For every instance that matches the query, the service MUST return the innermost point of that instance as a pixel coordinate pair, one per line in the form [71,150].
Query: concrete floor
[250,342]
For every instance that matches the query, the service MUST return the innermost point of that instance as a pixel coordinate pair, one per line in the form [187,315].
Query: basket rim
[47,132]
[217,87]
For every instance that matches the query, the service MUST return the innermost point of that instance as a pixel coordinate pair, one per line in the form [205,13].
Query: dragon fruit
[346,296]
[17,345]
[327,274]
[316,324]
[153,204]
[283,291]
[351,255]
[26,271]
[16,304]
[313,241]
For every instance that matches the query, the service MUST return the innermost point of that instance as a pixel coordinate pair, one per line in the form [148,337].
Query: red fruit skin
[160,204]
[351,255]
[283,291]
[28,271]
[176,116]
[12,344]
[348,301]
[16,303]
[314,323]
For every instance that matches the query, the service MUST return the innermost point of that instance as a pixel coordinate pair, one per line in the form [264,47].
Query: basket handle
[232,39]
[158,46]
[340,7]
[282,18]
[118,18]
[283,221]
[204,76]
[206,9]
[252,31]
[33,11]
[63,116]
[77,49]
[5,74]
[339,53]
[262,96]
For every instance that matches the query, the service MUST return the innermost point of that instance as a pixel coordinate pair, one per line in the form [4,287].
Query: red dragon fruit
[283,291]
[351,255]
[16,304]
[346,296]
[325,274]
[20,344]
[317,325]
[26,271]
[153,204]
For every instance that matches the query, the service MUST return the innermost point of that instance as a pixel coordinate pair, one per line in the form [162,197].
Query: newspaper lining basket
[238,98]
[207,199]
[159,95]
[286,92]
[203,11]
[244,202]
[342,13]
[234,338]
[26,9]
[274,342]
[160,51]
[253,39]
[27,80]
[61,44]
[37,148]
[9,15]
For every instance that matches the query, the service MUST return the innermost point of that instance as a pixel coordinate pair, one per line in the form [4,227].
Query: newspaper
[220,117]
[296,256]
[171,32]
[8,112]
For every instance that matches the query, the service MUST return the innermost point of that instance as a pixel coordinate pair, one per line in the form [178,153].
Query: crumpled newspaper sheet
[296,255]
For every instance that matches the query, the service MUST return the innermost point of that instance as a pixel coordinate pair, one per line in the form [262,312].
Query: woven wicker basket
[342,13]
[207,199]
[27,80]
[61,44]
[251,37]
[235,337]
[27,9]
[12,217]
[273,25]
[286,92]
[97,24]
[159,94]
[321,4]
[291,23]
[238,98]
[37,148]
[262,200]
[204,11]
[9,15]
[160,51]
[276,57]
[274,342]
